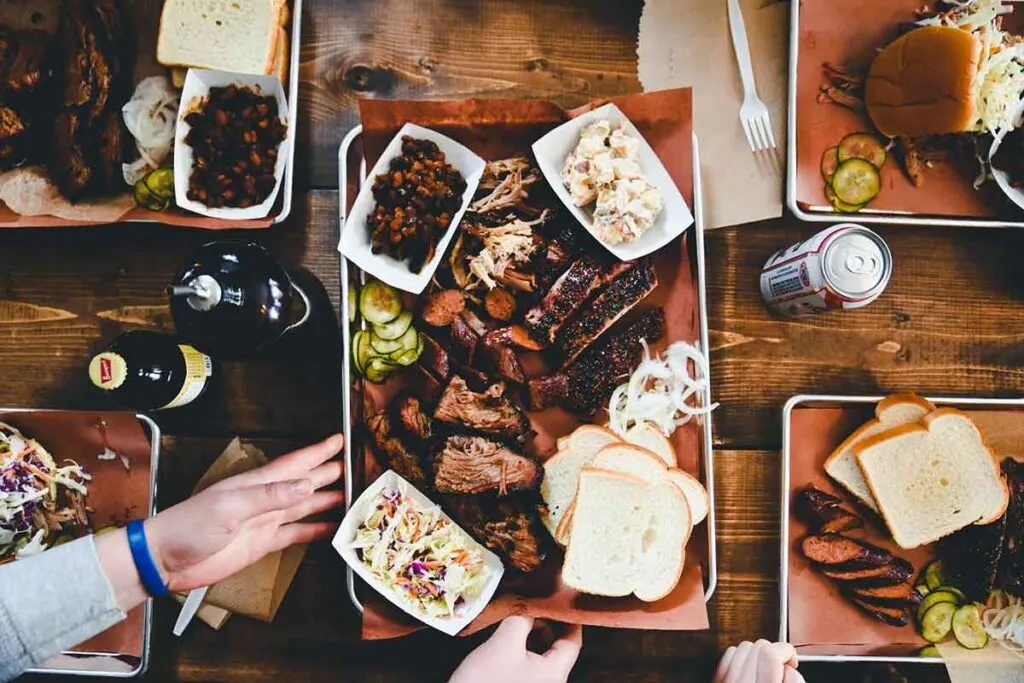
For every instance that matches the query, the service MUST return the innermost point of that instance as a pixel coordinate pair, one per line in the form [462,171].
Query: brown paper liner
[821,621]
[500,128]
[116,495]
[847,33]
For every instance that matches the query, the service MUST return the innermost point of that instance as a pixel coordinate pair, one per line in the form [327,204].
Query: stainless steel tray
[104,663]
[346,153]
[831,401]
[867,216]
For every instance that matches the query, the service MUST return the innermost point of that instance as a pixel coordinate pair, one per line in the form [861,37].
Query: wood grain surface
[950,323]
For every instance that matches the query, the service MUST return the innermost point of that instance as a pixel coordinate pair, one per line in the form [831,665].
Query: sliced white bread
[664,542]
[933,477]
[696,494]
[892,411]
[562,470]
[224,35]
[648,436]
[605,557]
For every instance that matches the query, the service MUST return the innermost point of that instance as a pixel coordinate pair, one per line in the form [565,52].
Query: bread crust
[283,15]
[925,426]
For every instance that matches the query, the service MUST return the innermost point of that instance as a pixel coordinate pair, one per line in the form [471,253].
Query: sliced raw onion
[662,391]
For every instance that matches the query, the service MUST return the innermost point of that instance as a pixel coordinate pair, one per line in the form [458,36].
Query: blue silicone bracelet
[148,572]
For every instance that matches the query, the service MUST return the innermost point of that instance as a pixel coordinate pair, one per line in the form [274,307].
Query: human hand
[238,520]
[503,658]
[760,662]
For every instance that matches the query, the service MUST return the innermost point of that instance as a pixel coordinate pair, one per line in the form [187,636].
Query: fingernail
[302,487]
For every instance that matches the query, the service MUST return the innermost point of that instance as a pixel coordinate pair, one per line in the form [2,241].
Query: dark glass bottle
[151,371]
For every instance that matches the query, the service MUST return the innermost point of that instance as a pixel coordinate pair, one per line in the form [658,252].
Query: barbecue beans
[234,138]
[416,201]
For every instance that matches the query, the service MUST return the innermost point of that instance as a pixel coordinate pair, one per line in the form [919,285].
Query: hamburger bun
[923,83]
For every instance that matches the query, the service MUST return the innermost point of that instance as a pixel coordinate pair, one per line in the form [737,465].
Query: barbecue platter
[908,524]
[91,93]
[489,391]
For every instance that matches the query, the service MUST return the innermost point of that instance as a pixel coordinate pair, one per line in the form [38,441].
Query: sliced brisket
[434,357]
[414,421]
[488,413]
[464,341]
[509,526]
[474,464]
[394,451]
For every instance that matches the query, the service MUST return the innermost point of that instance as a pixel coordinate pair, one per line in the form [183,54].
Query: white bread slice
[650,437]
[562,470]
[226,35]
[892,411]
[696,494]
[664,542]
[933,477]
[605,557]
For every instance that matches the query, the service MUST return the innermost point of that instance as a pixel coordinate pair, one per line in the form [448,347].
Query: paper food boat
[359,511]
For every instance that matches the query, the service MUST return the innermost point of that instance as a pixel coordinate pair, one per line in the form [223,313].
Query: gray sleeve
[50,603]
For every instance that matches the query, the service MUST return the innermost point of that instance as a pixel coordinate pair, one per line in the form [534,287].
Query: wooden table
[950,323]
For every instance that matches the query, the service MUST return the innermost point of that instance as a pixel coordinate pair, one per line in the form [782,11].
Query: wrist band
[148,572]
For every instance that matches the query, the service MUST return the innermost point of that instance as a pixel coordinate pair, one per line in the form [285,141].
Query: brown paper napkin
[256,591]
[687,43]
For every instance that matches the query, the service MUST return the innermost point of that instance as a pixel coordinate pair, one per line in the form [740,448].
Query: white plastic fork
[753,114]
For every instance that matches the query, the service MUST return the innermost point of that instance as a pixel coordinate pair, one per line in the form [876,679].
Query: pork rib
[615,301]
[568,293]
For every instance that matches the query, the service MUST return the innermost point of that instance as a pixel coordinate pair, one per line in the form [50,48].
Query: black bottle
[151,371]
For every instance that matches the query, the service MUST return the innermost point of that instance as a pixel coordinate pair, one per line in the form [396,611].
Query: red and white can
[842,267]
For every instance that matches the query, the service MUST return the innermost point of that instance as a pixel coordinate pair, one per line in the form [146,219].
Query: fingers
[771,660]
[515,630]
[242,505]
[783,653]
[791,675]
[564,652]
[295,465]
[326,474]
[744,668]
[306,532]
[311,505]
[723,666]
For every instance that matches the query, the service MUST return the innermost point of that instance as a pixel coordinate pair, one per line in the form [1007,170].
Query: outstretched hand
[504,657]
[760,662]
[239,520]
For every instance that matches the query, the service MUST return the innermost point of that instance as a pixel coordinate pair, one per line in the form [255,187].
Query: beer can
[842,267]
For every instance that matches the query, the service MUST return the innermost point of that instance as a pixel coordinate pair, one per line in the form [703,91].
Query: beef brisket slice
[474,464]
[488,413]
[414,421]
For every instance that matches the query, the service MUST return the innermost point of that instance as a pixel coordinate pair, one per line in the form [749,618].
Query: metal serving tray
[351,151]
[105,664]
[891,218]
[833,401]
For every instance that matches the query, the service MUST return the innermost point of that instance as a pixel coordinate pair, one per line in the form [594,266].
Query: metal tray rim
[787,411]
[835,217]
[154,462]
[706,423]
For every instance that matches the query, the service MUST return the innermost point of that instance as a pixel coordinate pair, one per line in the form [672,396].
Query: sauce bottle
[150,371]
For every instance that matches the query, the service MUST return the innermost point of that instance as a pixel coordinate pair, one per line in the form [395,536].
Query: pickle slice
[862,146]
[856,182]
[160,181]
[838,204]
[829,163]
[968,629]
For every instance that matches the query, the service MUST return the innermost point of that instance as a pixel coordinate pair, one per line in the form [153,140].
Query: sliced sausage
[897,571]
[500,304]
[901,594]
[441,308]
[894,616]
[833,549]
[824,512]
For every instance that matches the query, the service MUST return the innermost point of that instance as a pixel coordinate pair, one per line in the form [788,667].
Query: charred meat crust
[891,595]
[894,616]
[566,295]
[897,571]
[509,526]
[611,304]
[434,357]
[474,464]
[464,341]
[394,450]
[824,512]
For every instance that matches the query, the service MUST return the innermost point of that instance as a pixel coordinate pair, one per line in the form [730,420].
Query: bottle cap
[108,370]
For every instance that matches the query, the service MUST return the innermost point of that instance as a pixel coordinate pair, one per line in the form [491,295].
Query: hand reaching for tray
[760,662]
[504,657]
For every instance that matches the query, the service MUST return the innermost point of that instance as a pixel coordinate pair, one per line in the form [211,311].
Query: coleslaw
[40,500]
[420,554]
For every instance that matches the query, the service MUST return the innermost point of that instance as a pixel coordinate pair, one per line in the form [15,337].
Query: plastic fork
[753,114]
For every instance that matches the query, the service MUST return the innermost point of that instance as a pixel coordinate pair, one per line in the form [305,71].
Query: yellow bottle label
[108,370]
[198,368]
